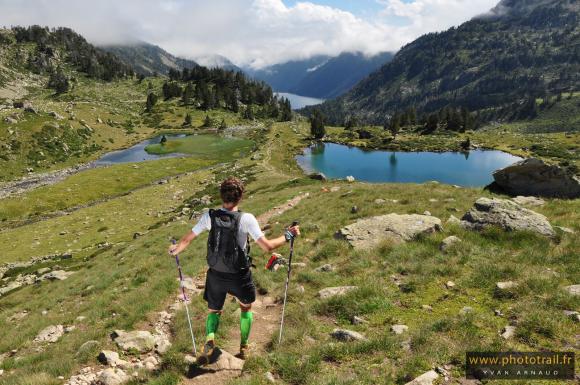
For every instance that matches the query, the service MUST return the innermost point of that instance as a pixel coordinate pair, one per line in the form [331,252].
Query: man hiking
[228,258]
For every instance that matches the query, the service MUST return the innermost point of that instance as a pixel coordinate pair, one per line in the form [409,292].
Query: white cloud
[258,32]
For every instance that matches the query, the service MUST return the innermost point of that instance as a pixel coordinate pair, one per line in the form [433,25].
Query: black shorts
[218,285]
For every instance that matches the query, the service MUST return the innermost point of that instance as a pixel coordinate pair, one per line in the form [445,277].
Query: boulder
[528,201]
[425,378]
[113,376]
[60,275]
[10,120]
[507,215]
[347,335]
[50,334]
[534,177]
[108,357]
[448,242]
[330,292]
[139,340]
[367,233]
[162,343]
[573,315]
[508,332]
[88,347]
[453,220]
[324,268]
[399,329]
[573,290]
[318,176]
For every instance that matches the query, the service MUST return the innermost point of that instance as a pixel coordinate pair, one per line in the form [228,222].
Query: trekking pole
[295,223]
[185,299]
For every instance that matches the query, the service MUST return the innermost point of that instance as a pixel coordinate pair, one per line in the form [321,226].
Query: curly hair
[231,190]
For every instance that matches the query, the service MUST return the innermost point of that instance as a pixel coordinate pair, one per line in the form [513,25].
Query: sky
[254,33]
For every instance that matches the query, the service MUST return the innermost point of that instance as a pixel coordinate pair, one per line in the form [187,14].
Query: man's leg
[215,295]
[246,319]
[211,324]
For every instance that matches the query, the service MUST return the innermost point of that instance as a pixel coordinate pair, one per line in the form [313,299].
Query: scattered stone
[108,357]
[324,268]
[162,343]
[380,201]
[498,313]
[425,378]
[10,120]
[334,189]
[507,215]
[399,329]
[88,347]
[573,315]
[139,340]
[427,307]
[270,377]
[318,176]
[508,332]
[330,292]
[453,220]
[354,210]
[426,212]
[528,201]
[55,115]
[350,179]
[42,271]
[466,310]
[113,376]
[450,285]
[347,335]
[81,318]
[60,275]
[356,320]
[506,285]
[573,290]
[406,345]
[534,177]
[69,329]
[448,242]
[50,334]
[367,233]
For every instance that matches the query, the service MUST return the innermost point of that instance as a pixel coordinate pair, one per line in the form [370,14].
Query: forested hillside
[500,64]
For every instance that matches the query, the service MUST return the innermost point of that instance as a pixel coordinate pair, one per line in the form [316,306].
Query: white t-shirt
[248,226]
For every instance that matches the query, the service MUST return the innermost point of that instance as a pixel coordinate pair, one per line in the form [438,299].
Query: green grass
[204,146]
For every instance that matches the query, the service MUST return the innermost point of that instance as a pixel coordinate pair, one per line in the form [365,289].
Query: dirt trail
[267,315]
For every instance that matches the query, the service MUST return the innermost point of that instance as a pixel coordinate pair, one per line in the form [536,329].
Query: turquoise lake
[473,169]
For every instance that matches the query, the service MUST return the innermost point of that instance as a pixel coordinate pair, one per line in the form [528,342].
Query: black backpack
[223,252]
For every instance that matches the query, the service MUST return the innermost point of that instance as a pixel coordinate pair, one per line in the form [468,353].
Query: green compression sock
[211,325]
[246,318]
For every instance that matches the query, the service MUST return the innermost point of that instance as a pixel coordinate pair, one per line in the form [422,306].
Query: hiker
[228,257]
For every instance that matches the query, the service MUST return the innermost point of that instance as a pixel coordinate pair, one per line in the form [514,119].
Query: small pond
[472,168]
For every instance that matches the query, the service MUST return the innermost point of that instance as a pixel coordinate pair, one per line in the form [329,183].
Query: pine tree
[223,124]
[395,125]
[151,101]
[187,120]
[58,81]
[432,123]
[207,122]
[285,110]
[248,113]
[187,95]
[317,129]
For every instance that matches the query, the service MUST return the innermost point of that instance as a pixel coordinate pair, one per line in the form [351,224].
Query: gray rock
[139,340]
[225,362]
[60,275]
[425,378]
[573,315]
[347,335]
[380,201]
[354,210]
[508,332]
[573,290]
[330,292]
[453,220]
[507,215]
[113,376]
[367,233]
[55,115]
[356,320]
[108,357]
[42,271]
[528,201]
[10,287]
[50,334]
[506,285]
[10,120]
[162,343]
[324,268]
[448,242]
[270,377]
[88,347]
[565,229]
[466,310]
[427,212]
[399,329]
[450,284]
[534,177]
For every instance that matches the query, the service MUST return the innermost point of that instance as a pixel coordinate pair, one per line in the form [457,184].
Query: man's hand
[182,245]
[173,249]
[292,232]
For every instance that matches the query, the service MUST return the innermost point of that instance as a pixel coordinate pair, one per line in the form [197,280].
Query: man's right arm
[269,245]
[202,225]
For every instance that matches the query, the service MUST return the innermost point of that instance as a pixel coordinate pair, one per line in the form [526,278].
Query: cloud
[249,32]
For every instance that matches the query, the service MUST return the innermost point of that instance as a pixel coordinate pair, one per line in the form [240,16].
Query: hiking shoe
[243,354]
[206,353]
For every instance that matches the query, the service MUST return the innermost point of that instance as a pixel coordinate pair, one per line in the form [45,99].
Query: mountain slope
[519,51]
[148,59]
[217,61]
[321,76]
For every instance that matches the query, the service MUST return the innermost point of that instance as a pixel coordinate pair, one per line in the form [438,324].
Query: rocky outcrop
[367,233]
[50,334]
[425,378]
[534,177]
[140,340]
[507,215]
[448,243]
